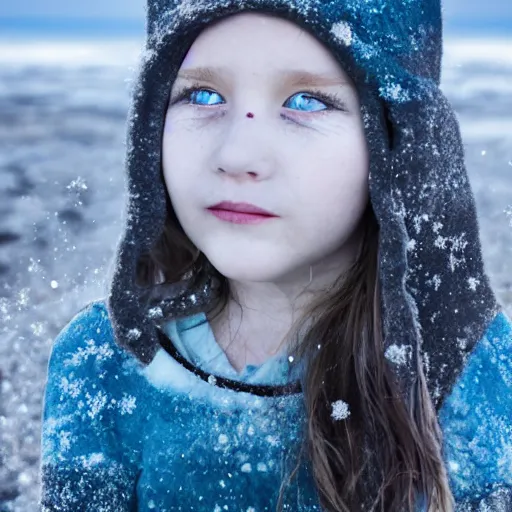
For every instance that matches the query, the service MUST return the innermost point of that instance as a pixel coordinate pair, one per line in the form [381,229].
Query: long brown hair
[385,452]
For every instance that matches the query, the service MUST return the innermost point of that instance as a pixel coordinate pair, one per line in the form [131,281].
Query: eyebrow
[296,77]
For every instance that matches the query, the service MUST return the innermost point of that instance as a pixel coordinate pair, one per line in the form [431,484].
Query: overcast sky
[473,9]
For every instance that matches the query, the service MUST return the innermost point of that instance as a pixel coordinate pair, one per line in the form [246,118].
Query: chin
[247,269]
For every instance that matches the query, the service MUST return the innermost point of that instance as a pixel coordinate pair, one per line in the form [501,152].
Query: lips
[241,208]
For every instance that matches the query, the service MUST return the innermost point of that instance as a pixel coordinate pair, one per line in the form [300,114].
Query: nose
[244,152]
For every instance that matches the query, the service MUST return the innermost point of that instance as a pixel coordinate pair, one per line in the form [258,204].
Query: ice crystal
[435,281]
[78,184]
[101,352]
[473,283]
[340,410]
[262,467]
[417,220]
[92,460]
[127,404]
[155,313]
[342,32]
[246,468]
[134,334]
[72,388]
[64,440]
[96,403]
[37,328]
[398,354]
[393,91]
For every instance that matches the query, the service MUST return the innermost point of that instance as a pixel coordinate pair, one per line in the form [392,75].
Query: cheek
[342,172]
[334,190]
[177,160]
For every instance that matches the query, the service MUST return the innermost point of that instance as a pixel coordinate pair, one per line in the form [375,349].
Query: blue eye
[202,95]
[306,101]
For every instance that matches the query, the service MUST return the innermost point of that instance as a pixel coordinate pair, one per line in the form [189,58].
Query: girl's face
[302,156]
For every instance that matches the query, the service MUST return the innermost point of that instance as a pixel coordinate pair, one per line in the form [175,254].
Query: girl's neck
[259,325]
[250,339]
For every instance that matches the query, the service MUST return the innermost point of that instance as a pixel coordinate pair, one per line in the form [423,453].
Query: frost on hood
[342,32]
[398,355]
[392,90]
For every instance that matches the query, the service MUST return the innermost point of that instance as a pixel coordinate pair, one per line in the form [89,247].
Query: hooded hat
[435,296]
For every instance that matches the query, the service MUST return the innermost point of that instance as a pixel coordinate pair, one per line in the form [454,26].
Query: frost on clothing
[118,436]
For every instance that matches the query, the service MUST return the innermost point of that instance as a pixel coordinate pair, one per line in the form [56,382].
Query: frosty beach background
[63,106]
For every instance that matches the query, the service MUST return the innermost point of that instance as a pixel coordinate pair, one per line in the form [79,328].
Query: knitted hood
[435,295]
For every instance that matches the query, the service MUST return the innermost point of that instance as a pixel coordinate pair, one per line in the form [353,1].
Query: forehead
[295,77]
[259,43]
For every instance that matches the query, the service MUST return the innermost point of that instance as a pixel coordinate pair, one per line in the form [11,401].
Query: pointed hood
[435,295]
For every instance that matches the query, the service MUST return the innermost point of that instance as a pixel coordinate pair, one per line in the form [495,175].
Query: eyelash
[330,100]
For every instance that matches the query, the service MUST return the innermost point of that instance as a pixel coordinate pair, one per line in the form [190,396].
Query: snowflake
[394,92]
[73,388]
[435,281]
[78,184]
[155,312]
[246,468]
[437,227]
[34,265]
[340,410]
[127,404]
[37,328]
[272,440]
[96,403]
[398,354]
[453,465]
[92,460]
[418,220]
[462,343]
[101,352]
[262,467]
[473,283]
[342,32]
[64,440]
[23,297]
[134,334]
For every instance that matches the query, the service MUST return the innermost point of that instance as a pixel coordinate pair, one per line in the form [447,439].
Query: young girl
[299,317]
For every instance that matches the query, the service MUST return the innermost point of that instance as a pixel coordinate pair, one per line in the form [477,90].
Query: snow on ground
[62,133]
